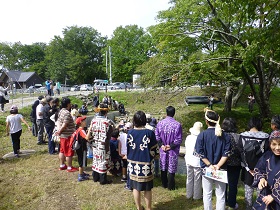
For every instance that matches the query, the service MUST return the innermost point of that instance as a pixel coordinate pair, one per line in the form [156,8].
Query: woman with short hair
[141,150]
[14,128]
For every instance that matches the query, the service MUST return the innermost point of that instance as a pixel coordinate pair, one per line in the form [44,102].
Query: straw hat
[196,129]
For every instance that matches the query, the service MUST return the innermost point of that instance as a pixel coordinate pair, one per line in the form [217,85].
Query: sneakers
[127,188]
[63,168]
[73,169]
[82,177]
[124,179]
[85,174]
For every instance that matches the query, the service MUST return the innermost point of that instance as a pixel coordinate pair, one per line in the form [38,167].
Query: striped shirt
[64,116]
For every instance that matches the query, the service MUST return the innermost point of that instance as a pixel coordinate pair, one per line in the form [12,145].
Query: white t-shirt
[15,122]
[189,157]
[39,108]
[122,138]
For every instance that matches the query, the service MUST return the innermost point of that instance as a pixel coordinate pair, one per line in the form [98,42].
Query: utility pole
[110,60]
[107,63]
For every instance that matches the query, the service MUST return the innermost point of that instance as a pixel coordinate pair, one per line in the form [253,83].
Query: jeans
[249,191]
[220,189]
[51,144]
[233,173]
[194,182]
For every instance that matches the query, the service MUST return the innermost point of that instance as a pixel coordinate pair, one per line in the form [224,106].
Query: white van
[100,84]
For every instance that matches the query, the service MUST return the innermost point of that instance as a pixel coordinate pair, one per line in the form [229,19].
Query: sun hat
[13,108]
[128,125]
[153,122]
[80,119]
[196,129]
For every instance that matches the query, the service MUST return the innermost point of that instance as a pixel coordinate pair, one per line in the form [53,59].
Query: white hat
[128,125]
[196,129]
[148,116]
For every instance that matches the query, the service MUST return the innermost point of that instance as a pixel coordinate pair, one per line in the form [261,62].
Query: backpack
[75,143]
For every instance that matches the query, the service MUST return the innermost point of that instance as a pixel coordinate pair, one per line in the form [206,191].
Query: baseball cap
[80,119]
[13,107]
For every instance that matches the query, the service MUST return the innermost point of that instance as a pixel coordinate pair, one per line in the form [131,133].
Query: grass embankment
[36,183]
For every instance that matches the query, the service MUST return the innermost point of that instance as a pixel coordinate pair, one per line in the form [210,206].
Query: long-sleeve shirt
[212,147]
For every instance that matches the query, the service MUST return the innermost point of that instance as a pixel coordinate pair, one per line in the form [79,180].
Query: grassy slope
[36,183]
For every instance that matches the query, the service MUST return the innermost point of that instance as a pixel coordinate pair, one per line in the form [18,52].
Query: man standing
[48,111]
[58,86]
[48,86]
[169,136]
[33,116]
[100,130]
[65,129]
[39,120]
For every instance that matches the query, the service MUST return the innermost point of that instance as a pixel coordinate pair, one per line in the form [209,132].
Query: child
[267,176]
[83,110]
[194,172]
[114,153]
[123,150]
[13,127]
[75,112]
[82,151]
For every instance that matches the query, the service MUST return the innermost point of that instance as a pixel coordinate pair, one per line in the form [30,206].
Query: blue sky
[30,21]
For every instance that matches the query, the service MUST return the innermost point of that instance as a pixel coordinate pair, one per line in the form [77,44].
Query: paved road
[27,99]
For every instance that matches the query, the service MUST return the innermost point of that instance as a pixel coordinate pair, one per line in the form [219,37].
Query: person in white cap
[14,128]
[194,171]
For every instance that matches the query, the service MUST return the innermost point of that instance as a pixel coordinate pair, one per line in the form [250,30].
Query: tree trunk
[239,93]
[228,98]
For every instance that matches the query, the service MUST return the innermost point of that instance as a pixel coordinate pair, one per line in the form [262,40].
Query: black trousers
[102,178]
[16,141]
[168,182]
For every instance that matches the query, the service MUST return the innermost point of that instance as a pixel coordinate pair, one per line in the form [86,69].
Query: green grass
[35,182]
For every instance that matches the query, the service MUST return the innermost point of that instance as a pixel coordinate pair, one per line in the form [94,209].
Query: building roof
[19,76]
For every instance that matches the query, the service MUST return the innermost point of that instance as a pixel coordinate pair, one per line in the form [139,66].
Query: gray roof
[19,76]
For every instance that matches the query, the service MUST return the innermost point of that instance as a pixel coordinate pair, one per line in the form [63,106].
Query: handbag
[55,138]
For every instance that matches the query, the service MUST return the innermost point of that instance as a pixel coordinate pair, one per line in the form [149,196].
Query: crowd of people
[253,154]
[145,148]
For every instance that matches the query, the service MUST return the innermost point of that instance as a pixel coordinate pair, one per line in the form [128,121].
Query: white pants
[194,182]
[220,189]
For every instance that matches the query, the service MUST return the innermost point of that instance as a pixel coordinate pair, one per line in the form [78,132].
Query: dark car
[200,100]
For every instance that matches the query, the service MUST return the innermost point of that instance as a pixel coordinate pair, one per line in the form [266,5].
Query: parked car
[116,86]
[31,89]
[200,100]
[86,87]
[100,84]
[75,88]
[128,85]
[42,90]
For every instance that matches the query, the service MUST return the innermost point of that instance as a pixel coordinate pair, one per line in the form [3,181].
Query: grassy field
[35,182]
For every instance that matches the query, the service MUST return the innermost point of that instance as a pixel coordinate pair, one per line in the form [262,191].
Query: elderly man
[169,136]
[39,120]
[100,131]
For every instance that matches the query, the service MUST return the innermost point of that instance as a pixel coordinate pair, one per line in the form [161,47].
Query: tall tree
[77,56]
[131,46]
[236,39]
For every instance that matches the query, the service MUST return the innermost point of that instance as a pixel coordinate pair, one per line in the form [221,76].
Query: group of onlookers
[252,153]
[133,150]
